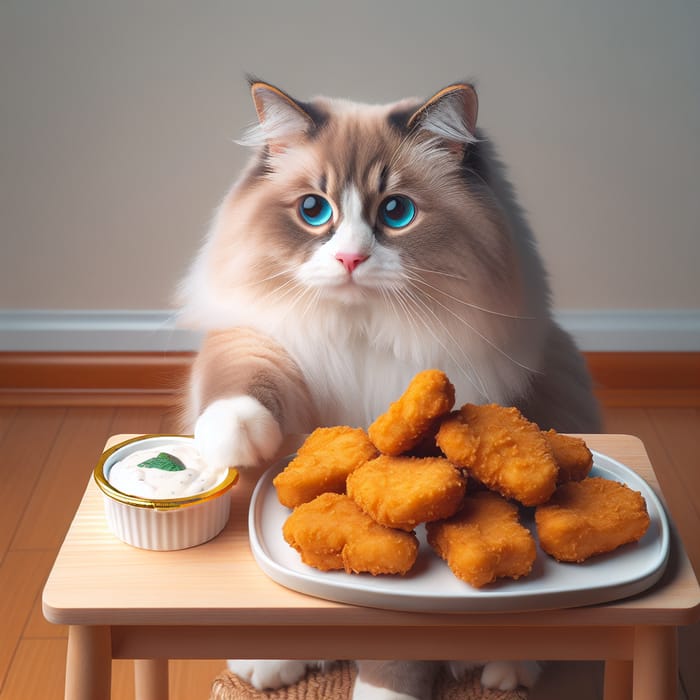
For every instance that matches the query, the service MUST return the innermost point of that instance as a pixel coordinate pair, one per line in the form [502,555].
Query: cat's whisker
[274,294]
[306,299]
[392,300]
[490,342]
[409,303]
[472,376]
[476,307]
[303,295]
[263,280]
[472,373]
[292,293]
[313,295]
[461,278]
[432,271]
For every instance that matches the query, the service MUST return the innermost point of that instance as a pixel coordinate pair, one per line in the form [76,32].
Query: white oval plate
[431,587]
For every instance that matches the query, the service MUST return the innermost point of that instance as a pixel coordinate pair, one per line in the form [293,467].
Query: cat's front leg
[270,674]
[246,392]
[501,675]
[239,431]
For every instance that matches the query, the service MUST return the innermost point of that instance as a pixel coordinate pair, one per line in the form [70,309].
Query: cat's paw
[268,674]
[237,432]
[508,675]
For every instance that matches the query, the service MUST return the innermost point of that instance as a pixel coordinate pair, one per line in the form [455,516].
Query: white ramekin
[159,524]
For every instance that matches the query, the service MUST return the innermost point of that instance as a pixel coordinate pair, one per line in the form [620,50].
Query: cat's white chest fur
[356,366]
[355,387]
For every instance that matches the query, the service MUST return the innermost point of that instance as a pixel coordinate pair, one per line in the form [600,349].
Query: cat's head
[349,207]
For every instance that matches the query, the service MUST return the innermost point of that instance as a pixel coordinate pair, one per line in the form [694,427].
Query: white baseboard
[635,330]
[93,331]
[147,331]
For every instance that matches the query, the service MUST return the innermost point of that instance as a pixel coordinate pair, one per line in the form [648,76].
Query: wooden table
[213,601]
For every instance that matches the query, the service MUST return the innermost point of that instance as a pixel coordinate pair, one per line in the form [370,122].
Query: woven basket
[336,684]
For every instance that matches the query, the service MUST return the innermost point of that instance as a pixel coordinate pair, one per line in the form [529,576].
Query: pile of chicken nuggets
[357,496]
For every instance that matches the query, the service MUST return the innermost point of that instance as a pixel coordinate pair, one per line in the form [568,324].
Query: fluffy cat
[361,245]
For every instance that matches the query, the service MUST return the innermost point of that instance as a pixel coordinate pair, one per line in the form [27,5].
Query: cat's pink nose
[350,260]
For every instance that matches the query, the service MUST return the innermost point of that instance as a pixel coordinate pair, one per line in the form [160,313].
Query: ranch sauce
[161,473]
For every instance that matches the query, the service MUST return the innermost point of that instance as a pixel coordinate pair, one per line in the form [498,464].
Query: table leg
[151,679]
[655,672]
[618,680]
[88,663]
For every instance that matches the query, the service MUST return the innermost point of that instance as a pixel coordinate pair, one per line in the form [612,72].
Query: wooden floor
[47,453]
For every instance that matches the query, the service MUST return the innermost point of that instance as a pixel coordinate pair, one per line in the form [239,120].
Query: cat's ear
[281,119]
[449,114]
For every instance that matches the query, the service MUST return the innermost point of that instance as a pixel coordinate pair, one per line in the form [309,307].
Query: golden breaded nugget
[428,397]
[402,492]
[484,541]
[571,454]
[511,455]
[457,440]
[332,532]
[322,464]
[590,517]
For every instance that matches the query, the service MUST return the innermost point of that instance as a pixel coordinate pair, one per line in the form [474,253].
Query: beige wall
[117,121]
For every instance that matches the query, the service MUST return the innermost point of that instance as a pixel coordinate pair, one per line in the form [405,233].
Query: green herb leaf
[164,461]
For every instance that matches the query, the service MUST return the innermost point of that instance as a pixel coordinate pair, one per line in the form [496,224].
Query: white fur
[270,674]
[395,346]
[391,341]
[396,676]
[238,431]
[353,236]
[508,675]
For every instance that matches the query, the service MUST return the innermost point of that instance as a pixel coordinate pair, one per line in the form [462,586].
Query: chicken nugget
[571,454]
[332,532]
[484,541]
[322,464]
[456,440]
[401,492]
[590,517]
[428,397]
[503,450]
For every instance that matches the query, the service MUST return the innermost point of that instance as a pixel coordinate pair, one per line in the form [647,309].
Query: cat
[361,245]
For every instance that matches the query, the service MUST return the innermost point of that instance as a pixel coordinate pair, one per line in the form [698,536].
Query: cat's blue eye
[315,210]
[397,211]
